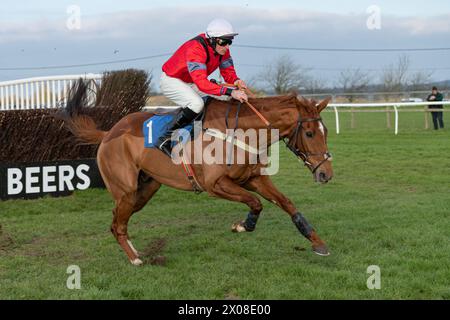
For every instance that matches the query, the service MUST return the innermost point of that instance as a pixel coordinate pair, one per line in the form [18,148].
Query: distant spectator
[437,115]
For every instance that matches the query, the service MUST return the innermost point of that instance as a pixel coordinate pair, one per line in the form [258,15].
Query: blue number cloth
[157,125]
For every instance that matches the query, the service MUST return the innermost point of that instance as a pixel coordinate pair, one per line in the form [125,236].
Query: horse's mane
[262,103]
[217,109]
[279,102]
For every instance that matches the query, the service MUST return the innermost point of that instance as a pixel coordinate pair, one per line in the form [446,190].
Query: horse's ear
[323,104]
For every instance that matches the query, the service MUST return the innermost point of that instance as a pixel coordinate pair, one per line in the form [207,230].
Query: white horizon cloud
[48,42]
[186,21]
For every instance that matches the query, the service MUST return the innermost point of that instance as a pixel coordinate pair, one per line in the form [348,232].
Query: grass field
[388,205]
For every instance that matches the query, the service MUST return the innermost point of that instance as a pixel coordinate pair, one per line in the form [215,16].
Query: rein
[266,122]
[251,94]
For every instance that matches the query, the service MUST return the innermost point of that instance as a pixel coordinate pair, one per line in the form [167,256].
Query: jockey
[184,77]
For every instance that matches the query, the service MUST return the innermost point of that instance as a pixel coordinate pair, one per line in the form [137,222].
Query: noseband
[292,142]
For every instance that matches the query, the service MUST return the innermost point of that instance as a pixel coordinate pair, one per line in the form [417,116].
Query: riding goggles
[223,42]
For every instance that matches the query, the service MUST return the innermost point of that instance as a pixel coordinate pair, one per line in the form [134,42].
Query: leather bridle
[305,156]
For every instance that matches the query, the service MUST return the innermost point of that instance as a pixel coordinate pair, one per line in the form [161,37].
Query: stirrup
[166,148]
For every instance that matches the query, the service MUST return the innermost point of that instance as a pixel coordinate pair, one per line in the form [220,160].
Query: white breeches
[185,95]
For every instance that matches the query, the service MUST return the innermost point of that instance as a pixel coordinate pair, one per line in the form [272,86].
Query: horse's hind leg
[147,187]
[128,204]
[227,189]
[119,227]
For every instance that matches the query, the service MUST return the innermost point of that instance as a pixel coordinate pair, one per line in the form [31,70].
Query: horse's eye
[309,134]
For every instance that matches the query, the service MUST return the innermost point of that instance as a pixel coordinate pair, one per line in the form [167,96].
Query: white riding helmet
[220,28]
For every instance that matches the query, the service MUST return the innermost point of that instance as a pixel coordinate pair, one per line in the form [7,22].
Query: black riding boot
[181,119]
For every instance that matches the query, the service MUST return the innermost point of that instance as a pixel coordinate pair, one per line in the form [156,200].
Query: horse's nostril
[322,176]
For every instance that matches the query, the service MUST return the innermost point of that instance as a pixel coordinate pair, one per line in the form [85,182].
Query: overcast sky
[35,34]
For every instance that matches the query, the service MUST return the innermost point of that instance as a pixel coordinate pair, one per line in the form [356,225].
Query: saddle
[157,125]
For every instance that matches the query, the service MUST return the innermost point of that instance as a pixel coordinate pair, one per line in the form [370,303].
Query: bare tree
[283,75]
[315,85]
[395,76]
[151,84]
[419,80]
[352,81]
[252,84]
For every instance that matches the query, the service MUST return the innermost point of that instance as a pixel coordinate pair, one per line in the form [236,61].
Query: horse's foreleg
[225,188]
[264,187]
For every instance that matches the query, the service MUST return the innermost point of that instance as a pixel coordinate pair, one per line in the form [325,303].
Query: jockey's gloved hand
[240,84]
[239,95]
[213,81]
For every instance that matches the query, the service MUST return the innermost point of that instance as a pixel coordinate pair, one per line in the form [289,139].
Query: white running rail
[394,105]
[40,92]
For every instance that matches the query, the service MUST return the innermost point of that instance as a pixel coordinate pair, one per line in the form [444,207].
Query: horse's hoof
[136,262]
[321,250]
[238,227]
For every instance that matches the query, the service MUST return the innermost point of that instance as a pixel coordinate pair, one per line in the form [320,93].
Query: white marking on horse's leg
[132,248]
[136,262]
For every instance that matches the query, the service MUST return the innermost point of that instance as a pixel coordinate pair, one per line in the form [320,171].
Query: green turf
[388,205]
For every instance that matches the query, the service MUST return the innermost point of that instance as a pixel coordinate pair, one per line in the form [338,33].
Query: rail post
[396,119]
[337,119]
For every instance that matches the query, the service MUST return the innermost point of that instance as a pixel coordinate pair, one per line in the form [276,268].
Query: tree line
[284,75]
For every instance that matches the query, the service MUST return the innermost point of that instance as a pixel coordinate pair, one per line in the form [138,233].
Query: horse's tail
[85,130]
[82,126]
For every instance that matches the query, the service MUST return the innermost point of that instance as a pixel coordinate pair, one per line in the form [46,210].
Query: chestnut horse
[133,173]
